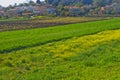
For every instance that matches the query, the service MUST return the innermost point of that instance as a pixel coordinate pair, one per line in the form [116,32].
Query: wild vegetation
[79,51]
[91,57]
[60,40]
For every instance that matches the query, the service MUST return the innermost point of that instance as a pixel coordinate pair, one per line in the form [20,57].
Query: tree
[87,1]
[99,3]
[49,1]
[38,1]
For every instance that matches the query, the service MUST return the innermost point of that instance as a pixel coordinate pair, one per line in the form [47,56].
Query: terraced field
[83,51]
[7,25]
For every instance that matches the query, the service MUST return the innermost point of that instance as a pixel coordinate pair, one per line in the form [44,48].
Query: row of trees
[83,7]
[81,2]
[89,6]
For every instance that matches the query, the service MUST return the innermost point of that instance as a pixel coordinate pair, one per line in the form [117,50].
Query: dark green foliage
[38,1]
[23,61]
[9,64]
[84,2]
[87,2]
[27,68]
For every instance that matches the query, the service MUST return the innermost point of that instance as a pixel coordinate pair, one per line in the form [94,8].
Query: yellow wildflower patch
[78,44]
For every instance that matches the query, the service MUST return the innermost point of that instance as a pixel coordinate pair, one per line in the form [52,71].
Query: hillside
[82,51]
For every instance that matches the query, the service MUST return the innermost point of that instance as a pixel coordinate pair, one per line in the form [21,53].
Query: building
[73,10]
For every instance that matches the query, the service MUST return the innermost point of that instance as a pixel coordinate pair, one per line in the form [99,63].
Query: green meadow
[20,39]
[82,51]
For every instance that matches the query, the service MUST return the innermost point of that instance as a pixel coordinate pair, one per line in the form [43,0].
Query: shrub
[9,64]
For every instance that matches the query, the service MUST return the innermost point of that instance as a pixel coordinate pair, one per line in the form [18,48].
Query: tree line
[88,7]
[95,3]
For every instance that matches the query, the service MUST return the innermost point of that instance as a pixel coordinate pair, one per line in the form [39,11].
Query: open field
[91,57]
[14,24]
[81,51]
[16,40]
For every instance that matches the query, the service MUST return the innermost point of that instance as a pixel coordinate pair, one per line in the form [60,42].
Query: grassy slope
[91,57]
[21,39]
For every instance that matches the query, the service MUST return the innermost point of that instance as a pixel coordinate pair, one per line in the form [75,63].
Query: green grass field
[16,40]
[82,51]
